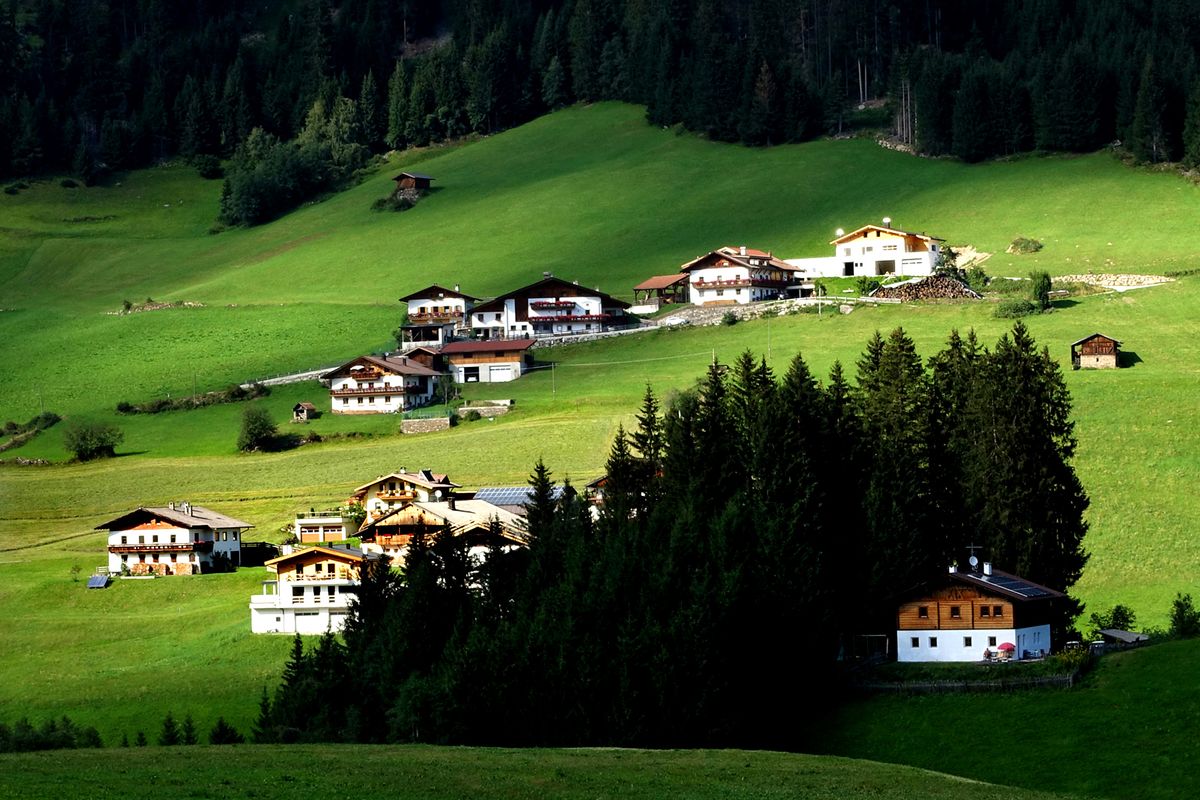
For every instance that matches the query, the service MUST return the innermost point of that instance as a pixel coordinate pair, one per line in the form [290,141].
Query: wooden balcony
[551,318]
[397,494]
[739,283]
[169,547]
[435,318]
[378,390]
[551,304]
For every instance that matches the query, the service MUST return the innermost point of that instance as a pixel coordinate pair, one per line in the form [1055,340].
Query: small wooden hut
[412,180]
[304,411]
[1096,351]
[662,289]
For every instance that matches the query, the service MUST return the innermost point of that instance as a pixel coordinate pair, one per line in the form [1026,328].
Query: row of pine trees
[93,85]
[748,533]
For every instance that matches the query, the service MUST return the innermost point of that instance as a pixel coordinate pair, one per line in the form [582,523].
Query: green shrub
[68,183]
[472,416]
[1120,617]
[1024,246]
[1039,289]
[11,189]
[208,167]
[729,318]
[1185,619]
[224,733]
[977,279]
[91,440]
[258,430]
[1015,308]
[866,285]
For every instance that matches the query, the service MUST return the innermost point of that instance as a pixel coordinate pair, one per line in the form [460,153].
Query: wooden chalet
[1096,351]
[312,591]
[412,180]
[551,306]
[737,276]
[304,411]
[389,492]
[662,290]
[976,610]
[380,385]
[176,539]
[481,524]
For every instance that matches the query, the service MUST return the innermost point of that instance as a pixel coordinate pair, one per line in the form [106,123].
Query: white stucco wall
[951,646]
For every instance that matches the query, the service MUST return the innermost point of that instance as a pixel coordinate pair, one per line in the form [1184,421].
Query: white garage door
[309,622]
[497,374]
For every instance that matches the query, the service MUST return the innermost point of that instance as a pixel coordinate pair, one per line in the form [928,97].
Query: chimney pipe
[987,568]
[743,249]
[450,502]
[953,568]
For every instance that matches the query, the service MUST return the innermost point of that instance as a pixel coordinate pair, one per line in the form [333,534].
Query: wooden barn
[412,180]
[303,411]
[662,289]
[1096,351]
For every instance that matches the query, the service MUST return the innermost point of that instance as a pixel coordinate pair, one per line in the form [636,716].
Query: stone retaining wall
[428,425]
[484,411]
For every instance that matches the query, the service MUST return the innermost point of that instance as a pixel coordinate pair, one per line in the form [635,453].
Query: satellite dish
[973,561]
[887,220]
[438,494]
[839,232]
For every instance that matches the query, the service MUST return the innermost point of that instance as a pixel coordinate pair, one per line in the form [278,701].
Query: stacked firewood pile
[935,287]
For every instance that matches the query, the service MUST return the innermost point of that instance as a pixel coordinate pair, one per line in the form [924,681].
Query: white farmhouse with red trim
[176,539]
[875,250]
[375,385]
[737,276]
[552,306]
[435,313]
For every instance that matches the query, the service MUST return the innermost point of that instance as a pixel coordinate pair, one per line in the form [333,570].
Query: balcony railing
[540,304]
[378,390]
[396,494]
[318,515]
[740,283]
[436,316]
[168,547]
[551,318]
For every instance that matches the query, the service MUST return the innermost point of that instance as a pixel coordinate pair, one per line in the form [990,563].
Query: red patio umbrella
[1008,646]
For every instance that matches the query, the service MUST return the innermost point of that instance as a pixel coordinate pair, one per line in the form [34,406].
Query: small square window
[966,641]
[154,538]
[985,612]
[991,641]
[933,641]
[955,612]
[923,612]
[916,641]
[997,611]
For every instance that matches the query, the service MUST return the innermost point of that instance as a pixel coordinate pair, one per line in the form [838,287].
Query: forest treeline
[93,85]
[748,532]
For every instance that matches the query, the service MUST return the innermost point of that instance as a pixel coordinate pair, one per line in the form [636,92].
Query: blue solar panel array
[509,495]
[1014,585]
[98,582]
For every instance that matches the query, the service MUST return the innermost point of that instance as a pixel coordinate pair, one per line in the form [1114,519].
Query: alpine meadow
[857,533]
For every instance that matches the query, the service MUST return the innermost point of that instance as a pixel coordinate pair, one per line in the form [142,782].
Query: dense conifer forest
[748,532]
[88,86]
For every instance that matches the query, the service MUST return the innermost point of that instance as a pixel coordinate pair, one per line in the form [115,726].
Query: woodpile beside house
[935,287]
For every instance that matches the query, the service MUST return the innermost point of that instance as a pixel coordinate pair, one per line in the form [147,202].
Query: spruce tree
[370,121]
[187,733]
[1148,133]
[170,732]
[397,108]
[1191,128]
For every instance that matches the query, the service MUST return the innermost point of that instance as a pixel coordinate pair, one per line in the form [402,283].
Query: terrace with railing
[167,547]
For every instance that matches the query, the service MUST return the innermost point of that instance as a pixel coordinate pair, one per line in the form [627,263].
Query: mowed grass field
[588,193]
[430,773]
[1128,730]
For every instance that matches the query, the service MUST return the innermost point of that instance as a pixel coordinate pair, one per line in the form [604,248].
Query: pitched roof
[346,552]
[854,234]
[433,290]
[550,284]
[418,175]
[485,345]
[661,282]
[183,514]
[397,365]
[307,406]
[425,478]
[1091,336]
[466,515]
[1006,584]
[735,255]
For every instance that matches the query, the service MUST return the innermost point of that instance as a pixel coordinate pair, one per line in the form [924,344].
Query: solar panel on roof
[98,582]
[1016,585]
[510,495]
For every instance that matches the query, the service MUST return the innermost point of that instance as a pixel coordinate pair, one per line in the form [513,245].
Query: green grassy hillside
[590,193]
[1127,731]
[438,772]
